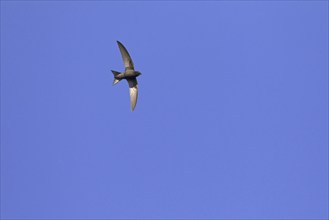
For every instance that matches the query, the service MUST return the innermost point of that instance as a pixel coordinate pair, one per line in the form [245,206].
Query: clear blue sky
[231,121]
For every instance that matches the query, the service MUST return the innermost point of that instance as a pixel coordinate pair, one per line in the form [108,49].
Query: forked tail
[115,73]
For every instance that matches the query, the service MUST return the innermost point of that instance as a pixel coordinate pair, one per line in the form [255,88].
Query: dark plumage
[129,74]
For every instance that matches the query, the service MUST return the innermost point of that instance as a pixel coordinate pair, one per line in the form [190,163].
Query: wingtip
[132,108]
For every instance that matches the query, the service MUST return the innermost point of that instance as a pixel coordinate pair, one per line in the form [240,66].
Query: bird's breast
[130,74]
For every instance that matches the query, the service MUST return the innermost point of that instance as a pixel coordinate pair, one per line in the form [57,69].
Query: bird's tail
[115,73]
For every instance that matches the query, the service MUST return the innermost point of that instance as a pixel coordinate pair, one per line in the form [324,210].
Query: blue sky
[231,121]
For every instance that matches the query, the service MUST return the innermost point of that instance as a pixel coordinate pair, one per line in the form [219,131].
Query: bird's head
[138,73]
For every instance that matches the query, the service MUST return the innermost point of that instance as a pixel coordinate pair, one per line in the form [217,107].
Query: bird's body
[129,74]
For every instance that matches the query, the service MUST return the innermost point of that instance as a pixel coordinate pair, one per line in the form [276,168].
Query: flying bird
[129,74]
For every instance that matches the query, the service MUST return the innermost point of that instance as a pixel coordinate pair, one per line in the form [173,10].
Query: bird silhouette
[129,74]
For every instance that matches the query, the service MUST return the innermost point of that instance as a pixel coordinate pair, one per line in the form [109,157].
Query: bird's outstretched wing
[125,56]
[133,90]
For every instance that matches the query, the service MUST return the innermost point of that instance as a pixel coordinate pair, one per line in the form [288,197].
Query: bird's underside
[130,75]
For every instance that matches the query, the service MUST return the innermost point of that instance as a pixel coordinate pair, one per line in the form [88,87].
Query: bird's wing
[133,90]
[125,56]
